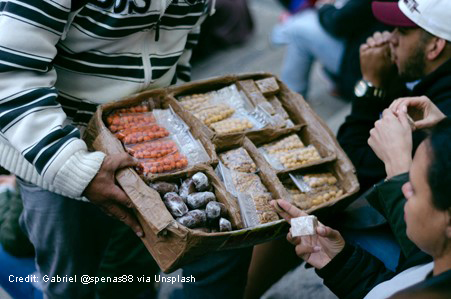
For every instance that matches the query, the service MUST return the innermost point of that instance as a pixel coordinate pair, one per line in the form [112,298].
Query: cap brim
[390,14]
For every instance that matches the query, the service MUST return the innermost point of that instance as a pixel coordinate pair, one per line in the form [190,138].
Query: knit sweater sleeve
[31,119]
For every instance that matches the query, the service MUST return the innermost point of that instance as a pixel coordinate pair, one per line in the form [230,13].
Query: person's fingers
[404,118]
[293,240]
[290,237]
[304,251]
[289,211]
[422,124]
[395,106]
[126,216]
[371,42]
[387,113]
[363,48]
[327,232]
[378,38]
[123,160]
[386,35]
[118,195]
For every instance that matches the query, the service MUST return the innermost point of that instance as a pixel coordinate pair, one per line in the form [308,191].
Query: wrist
[397,166]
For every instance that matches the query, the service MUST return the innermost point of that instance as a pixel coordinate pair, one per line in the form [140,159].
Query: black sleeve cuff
[337,263]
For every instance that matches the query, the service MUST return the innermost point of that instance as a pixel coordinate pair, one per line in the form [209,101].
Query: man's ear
[435,47]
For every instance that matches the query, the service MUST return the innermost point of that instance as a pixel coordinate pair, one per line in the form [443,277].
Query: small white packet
[304,226]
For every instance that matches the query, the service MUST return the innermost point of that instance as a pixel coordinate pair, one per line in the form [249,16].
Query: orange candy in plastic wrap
[153,149]
[169,163]
[142,134]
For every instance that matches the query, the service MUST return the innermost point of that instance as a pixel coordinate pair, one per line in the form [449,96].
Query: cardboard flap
[146,200]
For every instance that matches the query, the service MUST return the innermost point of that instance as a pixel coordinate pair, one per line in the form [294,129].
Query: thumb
[287,210]
[124,160]
[404,118]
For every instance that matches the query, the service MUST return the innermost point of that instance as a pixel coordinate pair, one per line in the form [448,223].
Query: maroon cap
[390,14]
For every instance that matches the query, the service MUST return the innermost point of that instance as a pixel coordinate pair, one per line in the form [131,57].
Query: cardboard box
[173,245]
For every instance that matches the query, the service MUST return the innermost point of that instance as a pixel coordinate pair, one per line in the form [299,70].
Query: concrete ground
[259,55]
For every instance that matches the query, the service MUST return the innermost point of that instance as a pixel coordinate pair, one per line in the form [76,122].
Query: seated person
[415,50]
[328,34]
[353,273]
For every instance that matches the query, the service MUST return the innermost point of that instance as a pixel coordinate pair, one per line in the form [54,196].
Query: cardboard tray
[173,245]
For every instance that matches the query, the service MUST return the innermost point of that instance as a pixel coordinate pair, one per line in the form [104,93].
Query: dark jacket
[354,272]
[12,238]
[354,132]
[354,22]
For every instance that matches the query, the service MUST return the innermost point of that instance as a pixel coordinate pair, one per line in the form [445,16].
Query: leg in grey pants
[69,237]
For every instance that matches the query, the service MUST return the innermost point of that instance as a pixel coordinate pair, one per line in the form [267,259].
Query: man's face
[425,223]
[408,52]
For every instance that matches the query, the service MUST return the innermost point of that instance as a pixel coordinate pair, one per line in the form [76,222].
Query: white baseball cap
[434,16]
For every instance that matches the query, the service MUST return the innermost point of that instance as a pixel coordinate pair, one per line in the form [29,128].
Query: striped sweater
[58,62]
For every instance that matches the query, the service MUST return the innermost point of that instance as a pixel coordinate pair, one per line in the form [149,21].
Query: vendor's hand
[376,62]
[422,110]
[316,250]
[105,193]
[391,141]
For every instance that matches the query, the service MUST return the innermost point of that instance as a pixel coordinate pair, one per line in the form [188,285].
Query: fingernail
[140,234]
[321,230]
[404,108]
[317,248]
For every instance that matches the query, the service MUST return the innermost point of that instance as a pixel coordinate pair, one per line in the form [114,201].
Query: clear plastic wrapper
[175,204]
[248,210]
[215,210]
[260,118]
[285,144]
[229,95]
[214,113]
[166,164]
[191,147]
[194,101]
[121,121]
[249,183]
[164,187]
[313,189]
[232,125]
[280,122]
[293,158]
[138,108]
[193,219]
[140,134]
[201,181]
[186,188]
[152,149]
[238,160]
[289,123]
[262,201]
[268,108]
[199,199]
[225,176]
[319,179]
[170,120]
[267,216]
[224,225]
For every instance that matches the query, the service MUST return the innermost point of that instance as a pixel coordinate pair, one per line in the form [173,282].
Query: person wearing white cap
[418,50]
